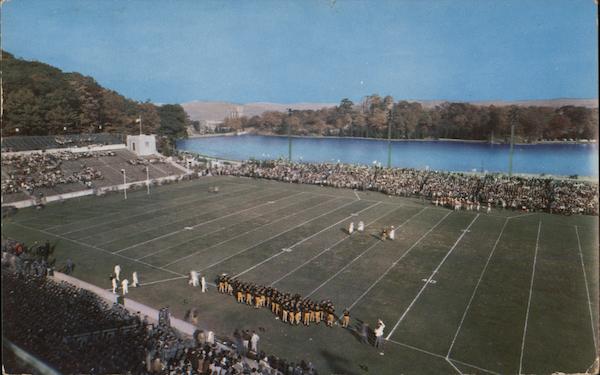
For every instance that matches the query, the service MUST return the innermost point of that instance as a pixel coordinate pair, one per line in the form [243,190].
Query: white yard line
[537,241]
[398,260]
[470,365]
[360,255]
[522,215]
[251,230]
[417,349]
[172,279]
[453,366]
[357,196]
[303,240]
[587,290]
[275,236]
[427,283]
[99,249]
[476,287]
[145,212]
[215,231]
[199,224]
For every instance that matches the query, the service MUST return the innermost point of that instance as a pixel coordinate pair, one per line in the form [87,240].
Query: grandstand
[25,143]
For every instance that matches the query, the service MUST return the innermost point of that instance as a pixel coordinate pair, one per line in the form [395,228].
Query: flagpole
[140,118]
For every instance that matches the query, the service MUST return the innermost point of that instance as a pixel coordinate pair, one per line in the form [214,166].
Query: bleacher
[110,168]
[26,143]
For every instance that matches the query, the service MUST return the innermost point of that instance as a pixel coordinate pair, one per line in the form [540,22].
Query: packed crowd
[27,172]
[147,161]
[75,331]
[566,197]
[290,308]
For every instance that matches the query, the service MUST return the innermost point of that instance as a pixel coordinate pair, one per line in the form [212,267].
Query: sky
[315,50]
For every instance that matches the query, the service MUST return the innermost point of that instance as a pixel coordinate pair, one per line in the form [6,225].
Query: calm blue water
[556,159]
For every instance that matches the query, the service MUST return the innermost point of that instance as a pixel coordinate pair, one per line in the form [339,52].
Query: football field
[460,292]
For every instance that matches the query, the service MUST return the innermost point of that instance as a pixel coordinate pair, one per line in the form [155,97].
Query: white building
[142,145]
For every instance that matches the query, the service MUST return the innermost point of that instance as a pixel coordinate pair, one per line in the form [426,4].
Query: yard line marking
[452,364]
[529,300]
[431,277]
[360,255]
[197,225]
[476,287]
[149,212]
[357,196]
[326,250]
[165,280]
[523,215]
[586,289]
[470,365]
[215,231]
[289,248]
[143,212]
[99,249]
[241,234]
[417,349]
[219,206]
[274,236]
[398,260]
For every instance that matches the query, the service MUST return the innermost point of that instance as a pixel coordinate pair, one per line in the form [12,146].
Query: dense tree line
[42,100]
[410,120]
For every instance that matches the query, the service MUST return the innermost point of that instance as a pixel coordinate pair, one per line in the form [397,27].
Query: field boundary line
[200,224]
[99,249]
[146,212]
[305,239]
[361,254]
[398,260]
[156,200]
[453,366]
[327,249]
[537,241]
[476,367]
[218,206]
[464,232]
[274,236]
[251,230]
[476,288]
[587,290]
[215,231]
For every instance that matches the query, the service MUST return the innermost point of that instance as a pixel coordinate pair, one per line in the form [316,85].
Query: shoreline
[233,134]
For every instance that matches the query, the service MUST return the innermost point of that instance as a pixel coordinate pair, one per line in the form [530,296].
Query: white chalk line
[274,236]
[219,206]
[587,290]
[218,230]
[529,299]
[398,260]
[100,249]
[199,224]
[138,213]
[361,254]
[476,367]
[303,240]
[328,249]
[251,230]
[476,287]
[453,366]
[464,232]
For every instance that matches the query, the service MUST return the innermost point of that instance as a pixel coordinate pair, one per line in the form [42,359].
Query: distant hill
[217,111]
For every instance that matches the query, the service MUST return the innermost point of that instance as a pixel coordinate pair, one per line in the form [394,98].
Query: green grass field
[460,292]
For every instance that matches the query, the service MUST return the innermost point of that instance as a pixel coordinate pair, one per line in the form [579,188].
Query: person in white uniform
[114,284]
[361,226]
[135,279]
[351,228]
[203,283]
[125,286]
[117,272]
[193,279]
[392,233]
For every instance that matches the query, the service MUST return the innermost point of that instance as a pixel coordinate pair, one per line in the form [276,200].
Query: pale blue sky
[315,50]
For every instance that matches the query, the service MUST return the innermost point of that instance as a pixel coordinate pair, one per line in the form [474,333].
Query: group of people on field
[290,308]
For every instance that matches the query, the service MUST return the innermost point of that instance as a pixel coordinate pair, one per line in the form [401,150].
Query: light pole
[124,183]
[389,161]
[289,135]
[147,181]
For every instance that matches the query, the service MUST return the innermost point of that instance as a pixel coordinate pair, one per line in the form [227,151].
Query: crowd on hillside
[566,197]
[27,172]
[75,331]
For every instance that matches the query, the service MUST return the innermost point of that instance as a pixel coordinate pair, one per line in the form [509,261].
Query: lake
[556,158]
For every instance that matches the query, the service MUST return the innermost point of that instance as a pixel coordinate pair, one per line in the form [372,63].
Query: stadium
[210,188]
